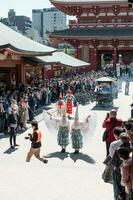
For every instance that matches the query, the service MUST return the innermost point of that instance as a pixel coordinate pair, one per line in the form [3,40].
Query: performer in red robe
[69,103]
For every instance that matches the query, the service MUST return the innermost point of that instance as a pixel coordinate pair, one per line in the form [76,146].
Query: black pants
[107,148]
[12,136]
[119,190]
[31,115]
[2,122]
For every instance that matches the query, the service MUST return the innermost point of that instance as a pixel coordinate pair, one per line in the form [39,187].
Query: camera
[26,138]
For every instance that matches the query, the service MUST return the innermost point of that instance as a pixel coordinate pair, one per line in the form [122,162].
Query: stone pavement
[67,177]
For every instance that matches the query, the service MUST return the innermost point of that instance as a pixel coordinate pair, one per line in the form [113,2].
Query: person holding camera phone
[35,139]
[109,124]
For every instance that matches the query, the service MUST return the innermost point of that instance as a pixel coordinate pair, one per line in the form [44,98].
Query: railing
[96,25]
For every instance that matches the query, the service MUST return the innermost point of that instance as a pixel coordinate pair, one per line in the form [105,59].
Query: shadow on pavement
[83,157]
[58,154]
[2,135]
[9,151]
[73,156]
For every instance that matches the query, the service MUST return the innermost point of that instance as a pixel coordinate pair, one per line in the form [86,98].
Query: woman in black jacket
[13,124]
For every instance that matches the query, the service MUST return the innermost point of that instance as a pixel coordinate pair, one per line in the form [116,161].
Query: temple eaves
[19,44]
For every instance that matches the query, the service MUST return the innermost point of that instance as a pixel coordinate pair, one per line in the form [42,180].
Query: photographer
[109,124]
[35,139]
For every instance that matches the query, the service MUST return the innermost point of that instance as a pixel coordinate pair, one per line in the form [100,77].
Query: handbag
[105,133]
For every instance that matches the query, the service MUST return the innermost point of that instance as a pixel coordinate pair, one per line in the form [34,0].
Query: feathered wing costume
[82,131]
[89,127]
[51,122]
[59,126]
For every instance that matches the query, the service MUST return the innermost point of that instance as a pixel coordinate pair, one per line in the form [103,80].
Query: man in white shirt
[107,174]
[123,140]
[116,144]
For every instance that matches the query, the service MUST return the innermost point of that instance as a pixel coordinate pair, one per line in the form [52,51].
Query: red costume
[60,104]
[69,106]
[69,102]
[108,124]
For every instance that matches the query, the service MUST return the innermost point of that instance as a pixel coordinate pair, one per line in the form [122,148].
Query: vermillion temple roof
[88,1]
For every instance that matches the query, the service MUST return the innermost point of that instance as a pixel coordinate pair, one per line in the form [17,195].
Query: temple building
[16,56]
[101,33]
[22,59]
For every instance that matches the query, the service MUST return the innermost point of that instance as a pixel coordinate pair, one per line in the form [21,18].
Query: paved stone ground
[65,177]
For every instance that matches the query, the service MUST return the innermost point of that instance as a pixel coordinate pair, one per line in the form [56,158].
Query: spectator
[110,123]
[119,191]
[13,124]
[126,175]
[31,102]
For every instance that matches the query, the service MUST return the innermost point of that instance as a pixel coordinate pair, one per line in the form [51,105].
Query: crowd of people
[118,137]
[17,107]
[28,98]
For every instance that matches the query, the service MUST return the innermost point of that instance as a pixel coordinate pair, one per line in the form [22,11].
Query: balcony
[100,25]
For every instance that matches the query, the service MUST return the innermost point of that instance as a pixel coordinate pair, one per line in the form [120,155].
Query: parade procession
[66,100]
[67,124]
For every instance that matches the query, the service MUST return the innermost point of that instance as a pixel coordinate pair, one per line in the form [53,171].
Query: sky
[22,7]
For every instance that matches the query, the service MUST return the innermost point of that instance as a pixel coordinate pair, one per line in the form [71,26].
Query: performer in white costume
[81,132]
[62,126]
[60,106]
[77,131]
[63,133]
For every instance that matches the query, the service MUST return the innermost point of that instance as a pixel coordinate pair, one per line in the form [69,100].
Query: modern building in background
[23,23]
[48,20]
[37,21]
[18,23]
